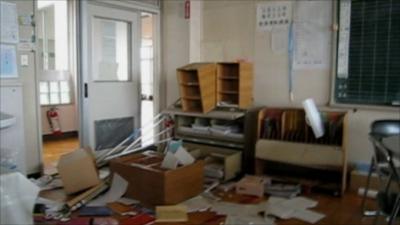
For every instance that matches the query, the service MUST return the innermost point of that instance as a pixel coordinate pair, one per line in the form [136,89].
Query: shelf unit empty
[197,85]
[235,83]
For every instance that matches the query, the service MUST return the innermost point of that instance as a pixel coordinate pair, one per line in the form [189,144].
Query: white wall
[175,46]
[27,79]
[229,33]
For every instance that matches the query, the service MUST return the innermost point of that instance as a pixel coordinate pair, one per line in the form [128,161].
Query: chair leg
[365,212]
[395,211]
[376,218]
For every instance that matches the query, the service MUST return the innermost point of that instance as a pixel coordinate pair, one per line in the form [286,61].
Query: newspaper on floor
[293,208]
[117,189]
[198,203]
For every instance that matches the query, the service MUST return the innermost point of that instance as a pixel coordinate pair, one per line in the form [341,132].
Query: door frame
[73,64]
[82,63]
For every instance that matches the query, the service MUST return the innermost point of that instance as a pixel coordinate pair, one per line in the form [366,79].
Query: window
[368,68]
[54,92]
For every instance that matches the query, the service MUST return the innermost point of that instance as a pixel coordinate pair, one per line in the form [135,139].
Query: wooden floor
[345,210]
[53,149]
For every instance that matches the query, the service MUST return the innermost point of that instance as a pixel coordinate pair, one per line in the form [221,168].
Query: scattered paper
[293,208]
[197,203]
[299,203]
[174,213]
[117,189]
[169,161]
[248,220]
[308,215]
[184,157]
[234,209]
[128,201]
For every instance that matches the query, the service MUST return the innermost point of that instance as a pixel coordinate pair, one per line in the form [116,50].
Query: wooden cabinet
[197,85]
[235,84]
[218,136]
[287,147]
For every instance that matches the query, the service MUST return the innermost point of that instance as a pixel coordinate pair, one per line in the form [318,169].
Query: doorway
[118,68]
[57,81]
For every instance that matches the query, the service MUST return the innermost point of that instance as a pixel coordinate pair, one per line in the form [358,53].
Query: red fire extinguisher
[54,121]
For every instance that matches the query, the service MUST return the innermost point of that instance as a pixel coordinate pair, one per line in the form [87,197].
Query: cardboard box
[251,185]
[153,185]
[78,171]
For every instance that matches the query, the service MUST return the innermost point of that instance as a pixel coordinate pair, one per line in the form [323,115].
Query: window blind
[368,69]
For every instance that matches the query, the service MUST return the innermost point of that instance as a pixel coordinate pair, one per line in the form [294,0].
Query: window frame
[71,99]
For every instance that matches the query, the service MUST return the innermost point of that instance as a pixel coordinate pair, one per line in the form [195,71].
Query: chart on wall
[8,23]
[8,61]
[312,34]
[273,15]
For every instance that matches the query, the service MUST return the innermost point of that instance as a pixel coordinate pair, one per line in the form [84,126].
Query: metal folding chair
[383,163]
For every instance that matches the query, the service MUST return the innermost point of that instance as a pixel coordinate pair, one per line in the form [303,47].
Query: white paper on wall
[311,47]
[8,23]
[312,34]
[279,41]
[273,14]
[8,61]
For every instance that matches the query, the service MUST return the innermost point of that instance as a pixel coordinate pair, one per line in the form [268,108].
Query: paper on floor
[293,208]
[117,189]
[234,209]
[248,220]
[128,201]
[308,215]
[197,203]
[299,203]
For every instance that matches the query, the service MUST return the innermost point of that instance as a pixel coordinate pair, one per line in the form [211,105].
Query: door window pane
[54,99]
[65,97]
[111,50]
[54,86]
[44,87]
[64,87]
[44,99]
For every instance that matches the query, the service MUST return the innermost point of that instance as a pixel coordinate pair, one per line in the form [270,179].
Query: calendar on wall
[273,14]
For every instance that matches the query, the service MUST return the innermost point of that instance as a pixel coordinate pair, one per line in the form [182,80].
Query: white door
[110,74]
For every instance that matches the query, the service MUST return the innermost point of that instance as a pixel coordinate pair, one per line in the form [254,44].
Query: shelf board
[225,114]
[228,78]
[210,142]
[190,84]
[229,92]
[195,98]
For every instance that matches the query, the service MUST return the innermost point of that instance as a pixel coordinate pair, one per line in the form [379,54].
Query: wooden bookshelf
[235,83]
[286,141]
[197,84]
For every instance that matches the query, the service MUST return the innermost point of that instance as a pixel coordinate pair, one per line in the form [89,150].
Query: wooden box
[235,83]
[153,185]
[231,159]
[197,86]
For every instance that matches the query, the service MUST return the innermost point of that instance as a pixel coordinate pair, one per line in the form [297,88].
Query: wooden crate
[153,185]
[197,85]
[235,83]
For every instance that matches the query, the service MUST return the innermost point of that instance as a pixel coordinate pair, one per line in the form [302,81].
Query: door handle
[85,91]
